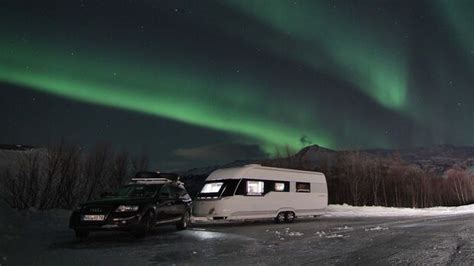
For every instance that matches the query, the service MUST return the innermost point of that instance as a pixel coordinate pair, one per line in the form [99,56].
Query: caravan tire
[280,218]
[290,217]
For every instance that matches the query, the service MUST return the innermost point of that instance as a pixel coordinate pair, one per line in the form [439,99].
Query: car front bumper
[111,222]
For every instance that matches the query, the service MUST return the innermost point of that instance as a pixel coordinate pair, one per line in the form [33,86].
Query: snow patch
[348,228]
[334,236]
[286,232]
[320,234]
[295,234]
[377,228]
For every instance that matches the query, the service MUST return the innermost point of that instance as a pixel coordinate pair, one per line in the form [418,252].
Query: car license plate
[93,217]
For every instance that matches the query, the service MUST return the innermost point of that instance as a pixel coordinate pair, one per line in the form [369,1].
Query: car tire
[81,234]
[290,217]
[184,222]
[146,224]
[280,218]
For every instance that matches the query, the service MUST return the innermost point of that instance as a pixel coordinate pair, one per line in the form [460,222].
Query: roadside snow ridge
[377,211]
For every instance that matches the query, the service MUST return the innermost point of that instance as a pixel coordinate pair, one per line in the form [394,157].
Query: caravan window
[212,187]
[217,189]
[229,187]
[303,187]
[252,187]
[279,186]
[255,187]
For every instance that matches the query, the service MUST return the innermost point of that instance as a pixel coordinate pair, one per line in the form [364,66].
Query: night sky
[198,82]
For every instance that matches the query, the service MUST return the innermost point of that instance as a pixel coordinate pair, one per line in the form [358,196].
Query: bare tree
[140,163]
[96,166]
[21,181]
[120,169]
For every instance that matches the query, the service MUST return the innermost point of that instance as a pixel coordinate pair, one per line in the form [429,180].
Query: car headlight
[127,208]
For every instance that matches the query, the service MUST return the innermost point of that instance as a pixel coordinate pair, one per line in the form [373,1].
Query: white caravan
[256,192]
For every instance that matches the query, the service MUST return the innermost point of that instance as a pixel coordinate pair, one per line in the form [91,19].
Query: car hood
[119,201]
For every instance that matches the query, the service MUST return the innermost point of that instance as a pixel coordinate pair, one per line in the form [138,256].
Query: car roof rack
[144,177]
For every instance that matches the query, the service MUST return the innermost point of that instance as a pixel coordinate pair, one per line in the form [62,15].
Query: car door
[179,206]
[165,204]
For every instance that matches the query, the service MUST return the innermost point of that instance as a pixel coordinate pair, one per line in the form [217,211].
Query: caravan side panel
[268,205]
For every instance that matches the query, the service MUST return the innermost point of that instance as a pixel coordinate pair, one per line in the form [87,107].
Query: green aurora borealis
[341,74]
[192,99]
[377,67]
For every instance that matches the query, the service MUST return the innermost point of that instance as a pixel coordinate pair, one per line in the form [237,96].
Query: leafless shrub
[21,181]
[63,175]
[362,180]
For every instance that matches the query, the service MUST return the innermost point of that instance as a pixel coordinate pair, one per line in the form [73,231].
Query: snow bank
[54,218]
[377,211]
[10,220]
[11,224]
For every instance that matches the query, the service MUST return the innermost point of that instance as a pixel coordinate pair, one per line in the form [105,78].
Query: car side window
[180,192]
[174,192]
[165,193]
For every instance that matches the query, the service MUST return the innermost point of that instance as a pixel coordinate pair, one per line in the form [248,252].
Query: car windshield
[137,191]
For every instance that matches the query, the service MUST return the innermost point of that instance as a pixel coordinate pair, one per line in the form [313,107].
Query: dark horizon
[314,150]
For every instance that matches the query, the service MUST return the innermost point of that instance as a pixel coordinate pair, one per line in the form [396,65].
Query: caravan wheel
[290,217]
[280,217]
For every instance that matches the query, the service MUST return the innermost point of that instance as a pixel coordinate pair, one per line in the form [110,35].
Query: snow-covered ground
[345,234]
[377,211]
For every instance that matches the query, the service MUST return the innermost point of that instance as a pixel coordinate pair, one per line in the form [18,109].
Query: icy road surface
[351,239]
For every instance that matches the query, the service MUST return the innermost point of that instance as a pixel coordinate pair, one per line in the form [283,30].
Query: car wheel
[81,234]
[290,217]
[184,222]
[145,226]
[280,218]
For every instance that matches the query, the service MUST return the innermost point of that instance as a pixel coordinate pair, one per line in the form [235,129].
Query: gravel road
[365,241]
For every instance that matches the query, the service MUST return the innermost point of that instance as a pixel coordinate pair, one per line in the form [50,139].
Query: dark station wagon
[149,200]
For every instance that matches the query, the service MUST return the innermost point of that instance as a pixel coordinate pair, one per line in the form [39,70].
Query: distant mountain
[436,158]
[9,153]
[15,147]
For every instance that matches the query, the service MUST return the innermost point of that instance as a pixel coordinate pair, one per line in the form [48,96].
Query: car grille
[96,210]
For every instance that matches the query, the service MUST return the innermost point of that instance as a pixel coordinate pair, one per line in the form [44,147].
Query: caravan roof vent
[253,165]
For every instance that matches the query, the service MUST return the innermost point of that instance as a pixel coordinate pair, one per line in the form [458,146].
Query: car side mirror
[184,197]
